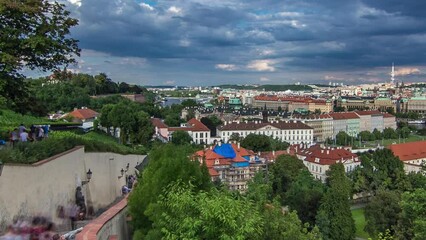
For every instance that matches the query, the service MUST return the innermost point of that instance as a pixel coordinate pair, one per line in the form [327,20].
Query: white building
[293,132]
[198,131]
[318,159]
[412,154]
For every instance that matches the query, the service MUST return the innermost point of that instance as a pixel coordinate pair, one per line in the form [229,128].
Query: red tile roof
[158,123]
[343,115]
[84,113]
[326,156]
[372,112]
[387,115]
[192,125]
[409,151]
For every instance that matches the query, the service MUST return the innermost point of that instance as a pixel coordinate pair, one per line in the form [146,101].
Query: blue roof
[225,150]
[241,164]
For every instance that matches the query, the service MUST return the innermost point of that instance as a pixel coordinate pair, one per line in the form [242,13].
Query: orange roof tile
[409,151]
[84,113]
[158,123]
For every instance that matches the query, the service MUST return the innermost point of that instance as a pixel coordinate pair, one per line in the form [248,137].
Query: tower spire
[393,74]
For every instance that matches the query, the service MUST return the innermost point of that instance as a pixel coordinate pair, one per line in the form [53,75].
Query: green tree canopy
[181,138]
[304,196]
[167,164]
[382,212]
[334,217]
[34,35]
[284,171]
[412,224]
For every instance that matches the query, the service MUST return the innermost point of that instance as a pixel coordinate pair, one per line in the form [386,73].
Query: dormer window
[216,162]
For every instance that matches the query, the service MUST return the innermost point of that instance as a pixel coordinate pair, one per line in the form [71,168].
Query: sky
[212,42]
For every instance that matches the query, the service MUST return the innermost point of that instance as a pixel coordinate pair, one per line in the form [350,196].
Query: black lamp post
[1,167]
[88,176]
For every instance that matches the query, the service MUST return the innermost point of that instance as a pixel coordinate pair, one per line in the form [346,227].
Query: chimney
[75,109]
[219,143]
[224,123]
[273,153]
[322,150]
[238,144]
[328,152]
[288,150]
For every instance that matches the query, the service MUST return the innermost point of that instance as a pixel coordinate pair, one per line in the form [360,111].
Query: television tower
[393,75]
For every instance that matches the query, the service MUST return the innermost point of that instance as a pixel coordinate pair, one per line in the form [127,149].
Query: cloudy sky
[211,42]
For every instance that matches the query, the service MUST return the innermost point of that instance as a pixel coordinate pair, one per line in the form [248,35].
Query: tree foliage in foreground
[334,217]
[381,213]
[263,143]
[35,35]
[167,164]
[182,213]
[412,223]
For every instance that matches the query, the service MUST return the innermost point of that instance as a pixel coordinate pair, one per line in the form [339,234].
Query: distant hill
[269,87]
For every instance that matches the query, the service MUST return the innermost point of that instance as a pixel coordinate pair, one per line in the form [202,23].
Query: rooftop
[258,124]
[409,151]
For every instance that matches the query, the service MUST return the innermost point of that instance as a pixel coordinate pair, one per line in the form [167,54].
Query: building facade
[322,125]
[318,159]
[417,105]
[293,132]
[198,131]
[412,154]
[230,164]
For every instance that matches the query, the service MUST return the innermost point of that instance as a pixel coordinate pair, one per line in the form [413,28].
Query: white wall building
[293,132]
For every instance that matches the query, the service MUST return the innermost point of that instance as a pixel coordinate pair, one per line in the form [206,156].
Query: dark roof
[255,126]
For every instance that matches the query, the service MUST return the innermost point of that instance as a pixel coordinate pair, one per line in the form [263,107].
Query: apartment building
[322,125]
[319,159]
[197,130]
[348,122]
[293,132]
[231,164]
[291,103]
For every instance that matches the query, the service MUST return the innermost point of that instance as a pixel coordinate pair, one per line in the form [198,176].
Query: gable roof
[409,151]
[192,125]
[85,113]
[372,112]
[343,115]
[156,122]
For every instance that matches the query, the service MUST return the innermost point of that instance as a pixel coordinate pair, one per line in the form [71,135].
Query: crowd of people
[130,184]
[35,228]
[34,133]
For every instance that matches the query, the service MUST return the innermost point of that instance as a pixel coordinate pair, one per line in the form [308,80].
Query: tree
[189,103]
[377,134]
[105,117]
[256,142]
[412,224]
[181,138]
[343,139]
[182,213]
[366,136]
[404,132]
[381,213]
[284,172]
[389,133]
[211,122]
[34,34]
[334,217]
[167,164]
[304,196]
[142,130]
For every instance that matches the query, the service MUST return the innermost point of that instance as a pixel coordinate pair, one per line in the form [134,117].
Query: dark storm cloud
[250,36]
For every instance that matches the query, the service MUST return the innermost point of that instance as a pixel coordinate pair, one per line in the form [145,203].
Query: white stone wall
[40,189]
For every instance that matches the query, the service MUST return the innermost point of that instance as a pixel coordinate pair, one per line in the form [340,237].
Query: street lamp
[1,167]
[88,176]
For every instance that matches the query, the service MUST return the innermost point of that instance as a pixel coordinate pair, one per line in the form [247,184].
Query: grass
[387,142]
[358,216]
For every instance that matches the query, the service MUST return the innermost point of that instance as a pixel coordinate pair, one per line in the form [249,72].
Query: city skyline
[198,42]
